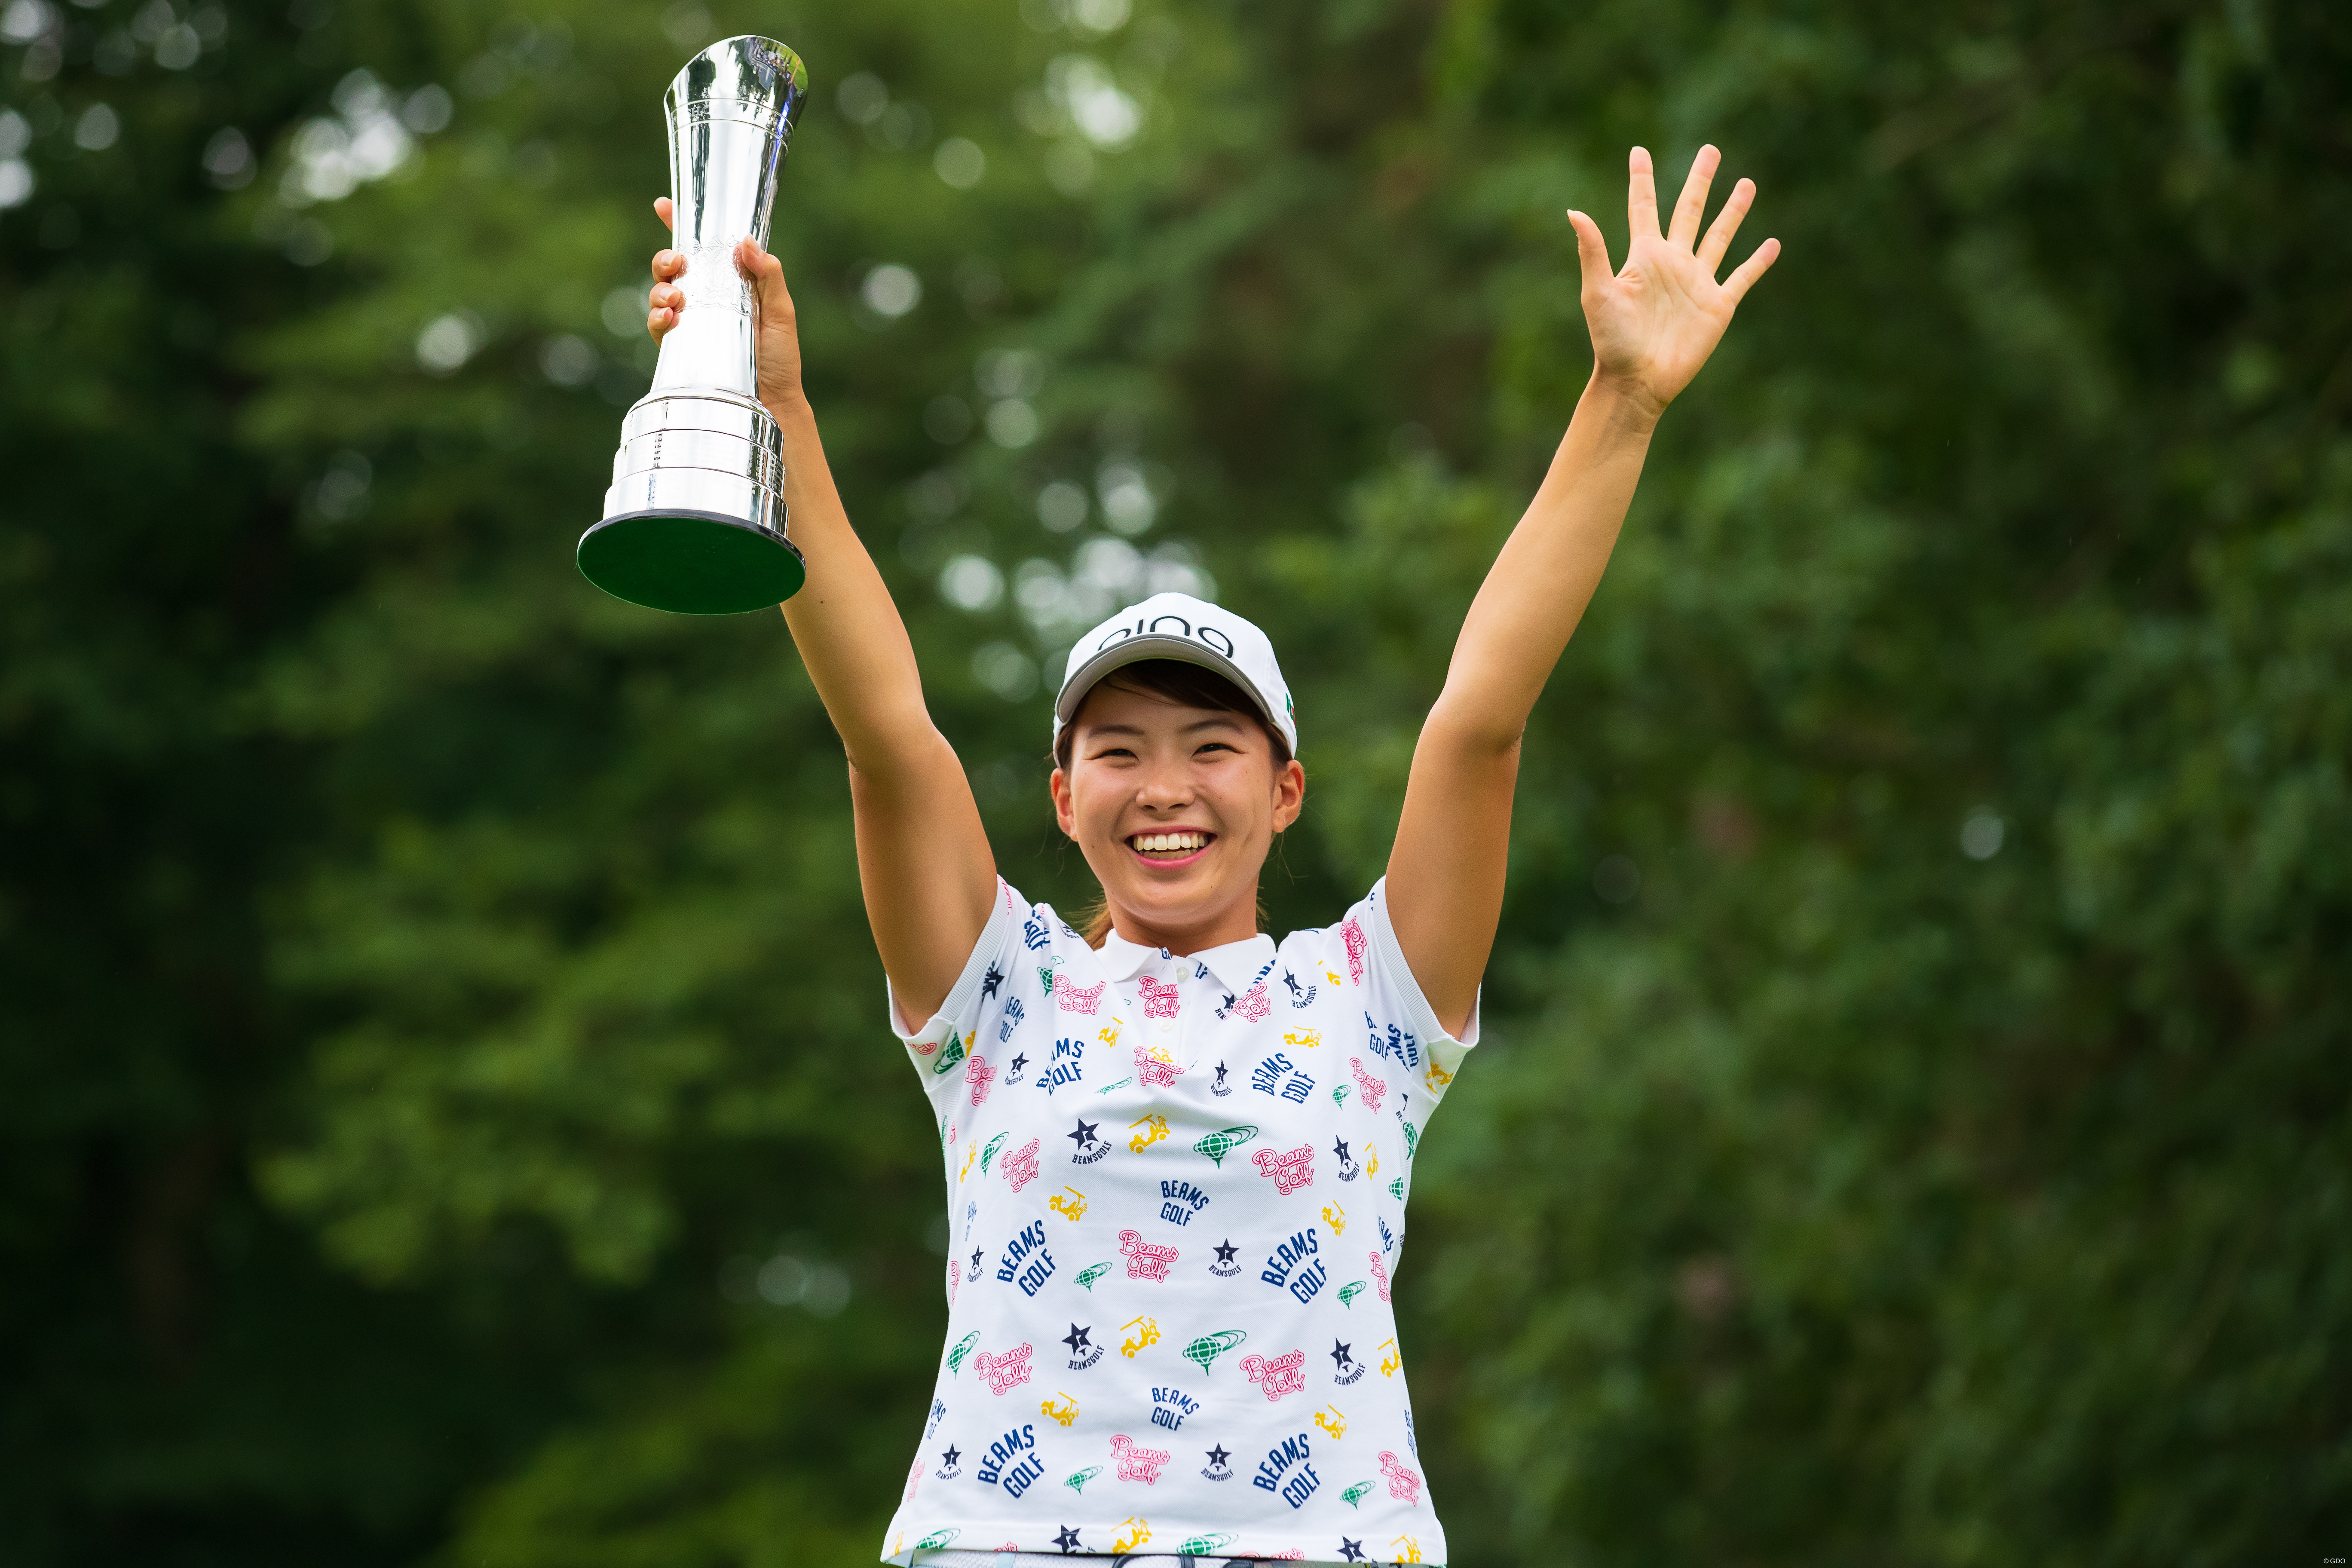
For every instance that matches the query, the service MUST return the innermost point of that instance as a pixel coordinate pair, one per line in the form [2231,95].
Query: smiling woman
[1162,705]
[1174,744]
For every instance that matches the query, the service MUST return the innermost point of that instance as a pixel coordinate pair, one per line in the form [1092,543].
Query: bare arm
[1653,324]
[923,857]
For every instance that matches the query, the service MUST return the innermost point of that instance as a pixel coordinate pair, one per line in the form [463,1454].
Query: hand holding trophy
[777,341]
[695,521]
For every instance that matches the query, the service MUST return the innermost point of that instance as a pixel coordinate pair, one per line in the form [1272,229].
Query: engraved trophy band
[694,520]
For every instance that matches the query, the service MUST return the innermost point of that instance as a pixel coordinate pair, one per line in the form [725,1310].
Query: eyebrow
[1219,721]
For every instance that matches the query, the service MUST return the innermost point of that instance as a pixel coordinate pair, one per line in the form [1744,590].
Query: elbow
[1463,729]
[889,758]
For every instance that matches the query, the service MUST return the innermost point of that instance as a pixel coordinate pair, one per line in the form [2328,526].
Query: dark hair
[1174,680]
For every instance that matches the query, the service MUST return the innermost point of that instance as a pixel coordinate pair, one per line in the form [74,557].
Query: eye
[1217,746]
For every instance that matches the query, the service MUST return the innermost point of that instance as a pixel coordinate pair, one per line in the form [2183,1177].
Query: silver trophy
[694,520]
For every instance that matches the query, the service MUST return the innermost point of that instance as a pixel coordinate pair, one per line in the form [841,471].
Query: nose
[1164,788]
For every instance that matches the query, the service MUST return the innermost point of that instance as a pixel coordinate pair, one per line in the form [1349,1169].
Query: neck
[1236,922]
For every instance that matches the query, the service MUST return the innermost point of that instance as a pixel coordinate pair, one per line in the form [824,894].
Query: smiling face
[1174,808]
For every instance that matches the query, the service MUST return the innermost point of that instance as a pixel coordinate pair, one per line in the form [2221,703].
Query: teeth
[1165,842]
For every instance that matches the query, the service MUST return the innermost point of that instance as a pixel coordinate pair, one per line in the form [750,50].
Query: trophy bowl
[694,520]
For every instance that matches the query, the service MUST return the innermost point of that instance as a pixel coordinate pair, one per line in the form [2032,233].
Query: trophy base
[691,563]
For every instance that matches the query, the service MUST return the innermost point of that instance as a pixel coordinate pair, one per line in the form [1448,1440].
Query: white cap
[1180,626]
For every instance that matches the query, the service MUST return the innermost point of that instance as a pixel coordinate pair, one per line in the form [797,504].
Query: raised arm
[922,854]
[1653,325]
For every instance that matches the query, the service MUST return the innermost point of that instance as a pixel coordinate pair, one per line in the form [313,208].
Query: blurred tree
[447,1104]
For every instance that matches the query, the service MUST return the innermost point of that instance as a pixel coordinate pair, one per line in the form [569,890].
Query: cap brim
[1134,650]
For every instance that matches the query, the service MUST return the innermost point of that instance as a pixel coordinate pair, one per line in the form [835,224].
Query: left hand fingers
[1641,196]
[1754,267]
[1726,223]
[1592,252]
[1691,205]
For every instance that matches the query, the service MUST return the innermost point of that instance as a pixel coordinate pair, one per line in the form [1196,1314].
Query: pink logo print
[914,1478]
[1282,1375]
[1022,1169]
[1374,1088]
[925,1047]
[1159,998]
[955,1275]
[1352,933]
[1077,999]
[1380,1273]
[1145,1259]
[1155,1070]
[1135,1464]
[1405,1485]
[1290,1172]
[979,1075]
[1004,1373]
[1254,1004]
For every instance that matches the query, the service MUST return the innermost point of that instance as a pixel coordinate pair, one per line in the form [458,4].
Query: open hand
[777,339]
[1654,322]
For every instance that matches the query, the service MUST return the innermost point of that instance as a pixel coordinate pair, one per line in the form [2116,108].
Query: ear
[1060,786]
[1289,793]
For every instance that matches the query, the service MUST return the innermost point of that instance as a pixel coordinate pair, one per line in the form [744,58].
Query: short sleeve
[945,1048]
[1402,1027]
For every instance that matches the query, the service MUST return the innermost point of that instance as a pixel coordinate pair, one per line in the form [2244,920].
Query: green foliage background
[428,988]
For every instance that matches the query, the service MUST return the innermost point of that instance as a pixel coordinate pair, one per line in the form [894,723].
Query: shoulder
[1038,924]
[1052,954]
[1346,948]
[1356,959]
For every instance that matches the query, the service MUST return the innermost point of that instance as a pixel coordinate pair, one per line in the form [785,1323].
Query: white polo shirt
[1176,1199]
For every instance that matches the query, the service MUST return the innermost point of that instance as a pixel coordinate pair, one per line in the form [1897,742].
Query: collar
[1236,964]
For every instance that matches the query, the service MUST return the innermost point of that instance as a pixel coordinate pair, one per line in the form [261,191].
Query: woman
[1177,1152]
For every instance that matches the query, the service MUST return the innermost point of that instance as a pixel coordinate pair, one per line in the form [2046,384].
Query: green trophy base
[691,563]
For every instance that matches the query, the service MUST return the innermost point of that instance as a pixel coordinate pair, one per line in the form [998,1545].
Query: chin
[1191,901]
[1167,906]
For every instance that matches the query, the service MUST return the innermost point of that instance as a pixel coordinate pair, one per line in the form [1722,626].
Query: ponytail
[1093,920]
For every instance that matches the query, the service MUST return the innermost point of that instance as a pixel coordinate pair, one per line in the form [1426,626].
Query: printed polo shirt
[1176,1198]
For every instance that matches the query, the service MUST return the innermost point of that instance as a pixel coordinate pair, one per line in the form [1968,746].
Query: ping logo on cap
[1166,625]
[1206,635]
